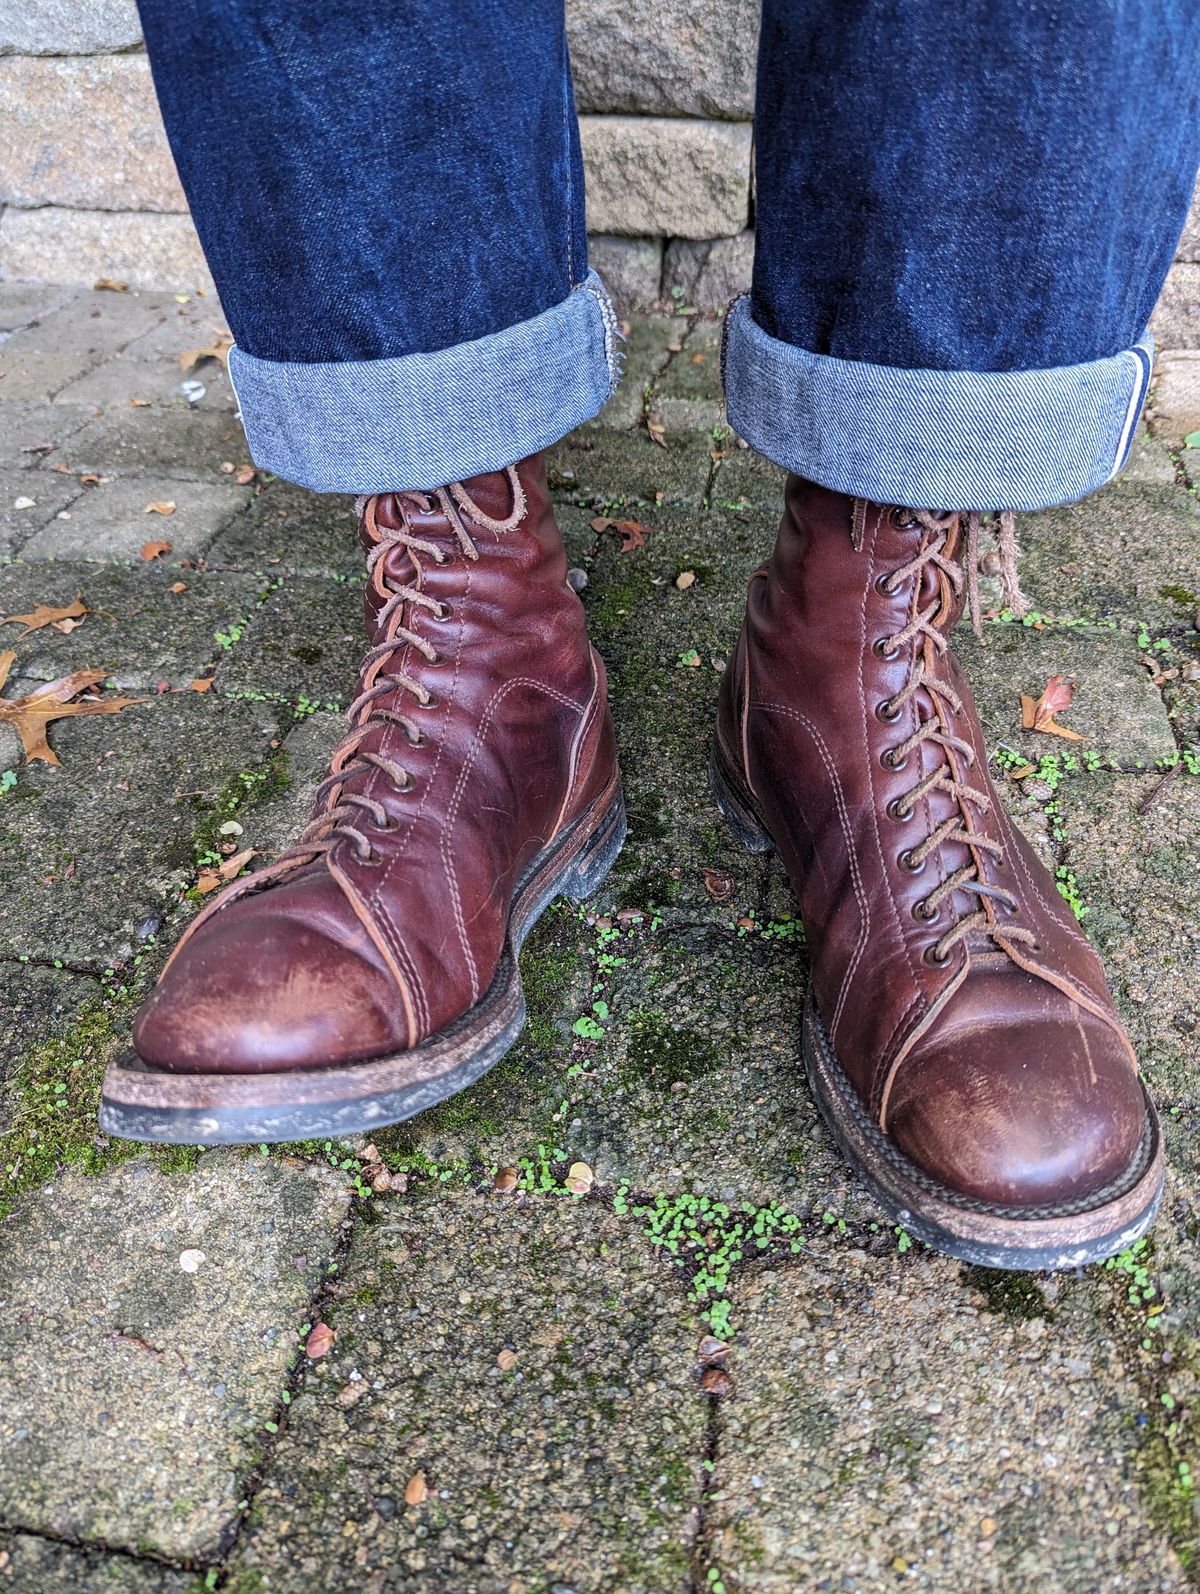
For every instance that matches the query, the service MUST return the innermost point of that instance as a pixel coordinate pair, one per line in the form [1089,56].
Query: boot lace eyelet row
[341,814]
[922,629]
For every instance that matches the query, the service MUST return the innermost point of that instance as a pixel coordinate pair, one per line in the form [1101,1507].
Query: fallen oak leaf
[631,532]
[32,715]
[1039,715]
[156,550]
[47,614]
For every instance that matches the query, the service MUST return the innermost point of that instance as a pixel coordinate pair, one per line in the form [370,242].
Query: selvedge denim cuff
[418,421]
[981,440]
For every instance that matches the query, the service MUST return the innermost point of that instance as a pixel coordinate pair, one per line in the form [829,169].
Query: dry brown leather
[1003,1070]
[482,732]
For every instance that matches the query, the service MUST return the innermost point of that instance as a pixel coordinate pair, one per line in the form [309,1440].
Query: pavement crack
[276,1425]
[143,1557]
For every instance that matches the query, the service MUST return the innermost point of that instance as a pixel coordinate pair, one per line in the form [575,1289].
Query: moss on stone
[1014,1295]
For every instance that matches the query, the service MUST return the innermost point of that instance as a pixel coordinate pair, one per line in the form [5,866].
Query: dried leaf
[161,506]
[507,1359]
[697,359]
[580,1178]
[684,579]
[155,550]
[719,885]
[244,475]
[178,586]
[140,404]
[1039,716]
[319,1342]
[47,614]
[631,532]
[202,683]
[217,350]
[352,1393]
[505,1181]
[416,1490]
[210,878]
[111,284]
[31,716]
[716,1381]
[712,1352]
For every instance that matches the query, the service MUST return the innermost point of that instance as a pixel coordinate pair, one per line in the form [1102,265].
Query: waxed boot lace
[922,627]
[339,814]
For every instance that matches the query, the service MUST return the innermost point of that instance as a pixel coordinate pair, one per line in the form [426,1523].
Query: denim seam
[933,439]
[417,421]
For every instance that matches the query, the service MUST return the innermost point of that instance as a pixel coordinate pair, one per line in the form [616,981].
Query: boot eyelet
[900,517]
[442,612]
[906,861]
[887,711]
[891,760]
[883,585]
[922,911]
[430,702]
[932,958]
[881,650]
[900,815]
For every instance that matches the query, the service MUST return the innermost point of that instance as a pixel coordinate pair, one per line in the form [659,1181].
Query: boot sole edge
[142,1102]
[971,1232]
[1049,1238]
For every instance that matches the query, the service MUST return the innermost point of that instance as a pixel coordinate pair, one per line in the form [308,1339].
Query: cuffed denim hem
[934,439]
[418,421]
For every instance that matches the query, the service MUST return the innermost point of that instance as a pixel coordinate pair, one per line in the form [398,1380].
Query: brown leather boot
[958,1035]
[371,970]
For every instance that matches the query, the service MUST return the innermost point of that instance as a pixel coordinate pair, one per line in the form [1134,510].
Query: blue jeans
[964,215]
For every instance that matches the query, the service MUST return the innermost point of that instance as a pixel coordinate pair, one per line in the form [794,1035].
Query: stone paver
[35,1004]
[45,356]
[29,1565]
[1136,557]
[35,431]
[288,529]
[304,641]
[597,1417]
[183,443]
[30,500]
[1139,877]
[1115,707]
[142,781]
[140,631]
[135,1385]
[595,466]
[112,521]
[905,1420]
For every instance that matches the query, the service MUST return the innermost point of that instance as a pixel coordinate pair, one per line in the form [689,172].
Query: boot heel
[735,810]
[588,870]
